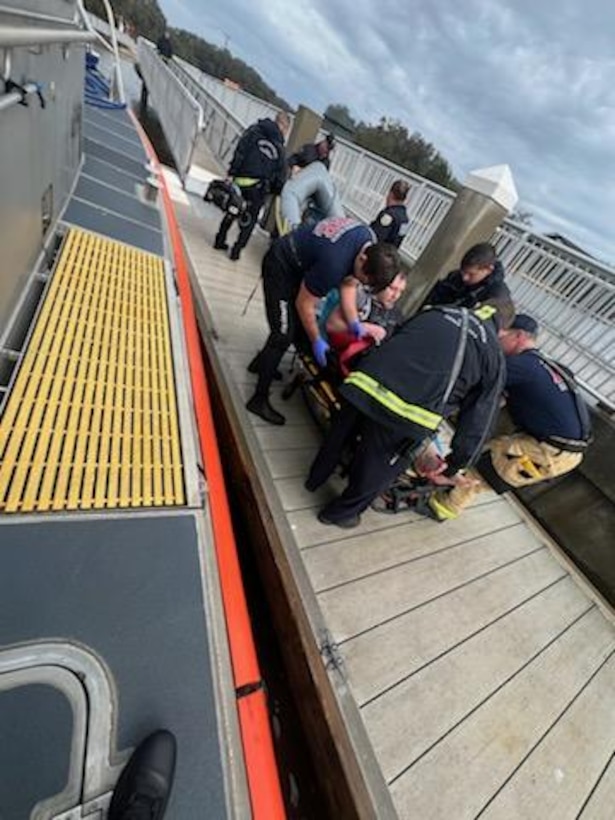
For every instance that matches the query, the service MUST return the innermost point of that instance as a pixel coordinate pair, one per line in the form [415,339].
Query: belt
[246,182]
[569,445]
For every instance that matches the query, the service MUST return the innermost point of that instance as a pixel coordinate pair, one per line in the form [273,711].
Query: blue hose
[97,87]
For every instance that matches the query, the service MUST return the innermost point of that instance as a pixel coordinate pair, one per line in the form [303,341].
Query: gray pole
[487,197]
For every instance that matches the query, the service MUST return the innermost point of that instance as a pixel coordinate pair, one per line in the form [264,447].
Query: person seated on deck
[551,418]
[391,224]
[377,310]
[479,279]
[298,270]
[440,361]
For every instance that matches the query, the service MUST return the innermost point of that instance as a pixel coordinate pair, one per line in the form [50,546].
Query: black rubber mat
[114,201]
[129,588]
[94,218]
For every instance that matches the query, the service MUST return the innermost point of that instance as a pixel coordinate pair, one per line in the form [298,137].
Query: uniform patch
[386,220]
[335,227]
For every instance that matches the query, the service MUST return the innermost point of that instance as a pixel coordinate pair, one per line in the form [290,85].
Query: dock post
[487,197]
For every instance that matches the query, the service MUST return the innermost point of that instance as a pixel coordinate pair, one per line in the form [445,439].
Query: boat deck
[111,617]
[481,668]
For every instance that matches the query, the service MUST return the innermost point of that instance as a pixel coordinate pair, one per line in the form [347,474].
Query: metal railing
[103,27]
[245,107]
[571,295]
[574,301]
[220,128]
[180,114]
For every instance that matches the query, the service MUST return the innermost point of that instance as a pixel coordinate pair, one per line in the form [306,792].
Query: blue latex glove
[357,329]
[320,349]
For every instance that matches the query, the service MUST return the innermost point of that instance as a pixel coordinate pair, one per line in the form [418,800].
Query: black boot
[144,786]
[220,244]
[259,405]
[235,253]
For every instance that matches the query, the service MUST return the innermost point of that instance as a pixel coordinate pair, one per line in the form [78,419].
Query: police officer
[440,361]
[391,224]
[258,166]
[551,418]
[298,270]
[479,279]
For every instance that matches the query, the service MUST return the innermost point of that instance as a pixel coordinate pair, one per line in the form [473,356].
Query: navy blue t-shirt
[539,400]
[328,250]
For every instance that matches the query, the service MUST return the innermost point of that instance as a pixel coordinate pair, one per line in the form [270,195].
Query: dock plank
[599,805]
[461,773]
[559,774]
[394,591]
[397,649]
[411,717]
[332,564]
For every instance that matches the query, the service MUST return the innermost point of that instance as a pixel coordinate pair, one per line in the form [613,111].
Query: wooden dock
[471,667]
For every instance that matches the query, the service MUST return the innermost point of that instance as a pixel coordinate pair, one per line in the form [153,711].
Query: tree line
[146,18]
[388,138]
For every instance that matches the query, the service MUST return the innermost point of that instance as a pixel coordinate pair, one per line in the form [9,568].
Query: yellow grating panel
[91,422]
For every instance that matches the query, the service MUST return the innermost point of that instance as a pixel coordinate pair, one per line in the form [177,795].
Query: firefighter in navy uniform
[391,224]
[299,269]
[441,361]
[550,416]
[479,279]
[258,167]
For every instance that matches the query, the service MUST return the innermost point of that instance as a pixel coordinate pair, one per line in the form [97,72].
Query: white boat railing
[571,295]
[180,114]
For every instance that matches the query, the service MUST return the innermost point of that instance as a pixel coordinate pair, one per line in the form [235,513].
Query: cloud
[523,82]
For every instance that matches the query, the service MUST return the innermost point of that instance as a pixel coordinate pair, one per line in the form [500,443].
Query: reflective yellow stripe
[393,402]
[439,506]
[245,182]
[485,312]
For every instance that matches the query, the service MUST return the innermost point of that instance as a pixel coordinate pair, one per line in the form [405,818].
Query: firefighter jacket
[260,156]
[404,383]
[453,291]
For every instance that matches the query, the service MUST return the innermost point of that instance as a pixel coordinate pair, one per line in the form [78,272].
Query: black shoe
[220,245]
[144,786]
[259,405]
[234,254]
[310,486]
[254,368]
[345,523]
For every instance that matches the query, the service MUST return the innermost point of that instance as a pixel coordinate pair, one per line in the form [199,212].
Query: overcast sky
[530,83]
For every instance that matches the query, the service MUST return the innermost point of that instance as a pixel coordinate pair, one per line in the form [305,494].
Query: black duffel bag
[225,195]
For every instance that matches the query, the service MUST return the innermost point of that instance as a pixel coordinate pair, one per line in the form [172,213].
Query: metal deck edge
[365,782]
[231,751]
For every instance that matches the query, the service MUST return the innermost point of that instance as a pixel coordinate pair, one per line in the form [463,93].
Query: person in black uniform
[258,167]
[313,152]
[552,424]
[391,224]
[441,361]
[164,45]
[479,279]
[298,270]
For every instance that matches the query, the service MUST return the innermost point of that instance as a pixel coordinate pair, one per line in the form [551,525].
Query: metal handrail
[571,294]
[19,36]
